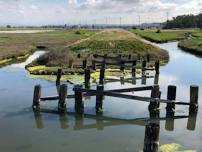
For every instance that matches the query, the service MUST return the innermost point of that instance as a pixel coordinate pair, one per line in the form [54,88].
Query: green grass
[111,42]
[164,35]
[193,45]
[15,45]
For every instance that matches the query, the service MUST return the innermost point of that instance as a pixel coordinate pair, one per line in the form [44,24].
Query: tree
[8,26]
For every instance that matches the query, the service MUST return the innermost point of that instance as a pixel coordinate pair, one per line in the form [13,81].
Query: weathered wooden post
[153,106]
[148,57]
[59,75]
[93,65]
[122,80]
[84,64]
[138,57]
[194,91]
[122,66]
[99,98]
[87,77]
[144,64]
[62,98]
[134,63]
[71,63]
[151,140]
[134,80]
[191,123]
[156,79]
[102,76]
[133,71]
[157,64]
[171,96]
[36,97]
[79,104]
[169,124]
[129,57]
[79,55]
[144,79]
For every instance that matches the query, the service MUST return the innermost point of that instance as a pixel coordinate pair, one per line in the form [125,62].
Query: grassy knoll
[110,42]
[163,35]
[193,44]
[13,46]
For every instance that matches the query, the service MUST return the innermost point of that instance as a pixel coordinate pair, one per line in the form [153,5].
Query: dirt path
[86,39]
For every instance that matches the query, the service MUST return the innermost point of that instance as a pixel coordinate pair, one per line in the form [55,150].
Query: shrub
[158,31]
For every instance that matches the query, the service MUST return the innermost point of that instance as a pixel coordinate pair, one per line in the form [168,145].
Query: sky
[57,12]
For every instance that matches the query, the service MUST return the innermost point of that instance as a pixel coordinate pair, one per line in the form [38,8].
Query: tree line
[185,21]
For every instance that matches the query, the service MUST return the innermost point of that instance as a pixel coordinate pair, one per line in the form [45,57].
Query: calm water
[21,130]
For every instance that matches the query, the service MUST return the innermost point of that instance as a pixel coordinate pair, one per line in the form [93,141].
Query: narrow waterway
[21,130]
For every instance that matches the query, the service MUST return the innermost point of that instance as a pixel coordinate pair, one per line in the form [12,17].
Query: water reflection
[151,124]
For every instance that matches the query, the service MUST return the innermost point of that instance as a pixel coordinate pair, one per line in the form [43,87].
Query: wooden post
[171,95]
[59,75]
[79,56]
[93,65]
[133,71]
[138,57]
[129,57]
[62,98]
[144,64]
[191,123]
[148,57]
[169,124]
[134,80]
[99,98]
[102,75]
[79,105]
[122,80]
[156,79]
[71,63]
[84,64]
[134,63]
[154,94]
[144,79]
[194,91]
[122,66]
[36,97]
[157,67]
[87,77]
[151,140]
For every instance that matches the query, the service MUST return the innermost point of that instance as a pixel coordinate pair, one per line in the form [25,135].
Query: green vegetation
[110,42]
[194,44]
[14,45]
[161,36]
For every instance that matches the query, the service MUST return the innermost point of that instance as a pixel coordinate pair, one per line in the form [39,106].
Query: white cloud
[75,11]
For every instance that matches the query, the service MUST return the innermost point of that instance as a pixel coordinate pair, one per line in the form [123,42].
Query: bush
[8,26]
[158,31]
[80,32]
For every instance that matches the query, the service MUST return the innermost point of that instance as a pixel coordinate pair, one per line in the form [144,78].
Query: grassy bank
[162,36]
[13,46]
[110,42]
[193,44]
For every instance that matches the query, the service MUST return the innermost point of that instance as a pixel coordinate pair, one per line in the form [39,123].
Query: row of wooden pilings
[87,72]
[154,101]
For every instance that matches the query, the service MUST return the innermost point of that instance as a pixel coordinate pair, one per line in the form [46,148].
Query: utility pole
[120,21]
[139,20]
[167,14]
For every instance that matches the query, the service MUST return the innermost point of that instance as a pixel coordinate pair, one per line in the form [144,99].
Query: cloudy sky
[42,12]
